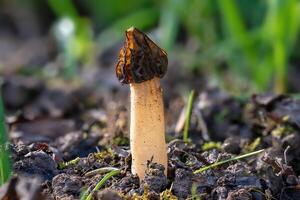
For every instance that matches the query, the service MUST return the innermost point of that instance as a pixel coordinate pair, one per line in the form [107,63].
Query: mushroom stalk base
[147,126]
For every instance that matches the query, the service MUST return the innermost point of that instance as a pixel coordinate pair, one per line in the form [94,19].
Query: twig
[202,124]
[285,154]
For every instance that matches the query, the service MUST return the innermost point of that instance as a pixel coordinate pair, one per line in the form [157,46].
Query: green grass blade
[5,168]
[236,28]
[87,196]
[228,160]
[63,8]
[168,24]
[188,116]
[252,64]
[141,19]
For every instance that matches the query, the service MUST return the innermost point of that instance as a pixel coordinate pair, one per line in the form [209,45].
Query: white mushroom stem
[147,126]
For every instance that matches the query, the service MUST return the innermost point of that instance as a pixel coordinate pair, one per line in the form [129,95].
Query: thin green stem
[228,160]
[112,173]
[188,116]
[5,168]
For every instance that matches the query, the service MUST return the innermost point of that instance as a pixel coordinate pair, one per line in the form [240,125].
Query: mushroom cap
[140,59]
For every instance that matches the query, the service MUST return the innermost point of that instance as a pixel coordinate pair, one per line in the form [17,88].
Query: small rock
[232,145]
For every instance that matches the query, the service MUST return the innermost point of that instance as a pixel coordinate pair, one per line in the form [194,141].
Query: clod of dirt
[21,188]
[275,182]
[107,195]
[241,194]
[182,155]
[282,179]
[66,186]
[20,150]
[127,185]
[155,178]
[182,183]
[36,163]
[232,145]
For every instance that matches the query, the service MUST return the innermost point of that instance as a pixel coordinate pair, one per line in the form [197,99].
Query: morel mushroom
[141,65]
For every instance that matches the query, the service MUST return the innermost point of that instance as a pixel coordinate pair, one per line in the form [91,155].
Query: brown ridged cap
[140,59]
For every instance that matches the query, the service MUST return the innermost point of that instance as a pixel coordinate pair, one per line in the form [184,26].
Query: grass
[261,51]
[112,173]
[5,167]
[202,169]
[188,116]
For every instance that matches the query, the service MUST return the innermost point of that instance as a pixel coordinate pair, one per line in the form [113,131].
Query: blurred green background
[238,45]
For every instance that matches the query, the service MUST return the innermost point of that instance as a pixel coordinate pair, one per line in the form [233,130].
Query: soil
[59,137]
